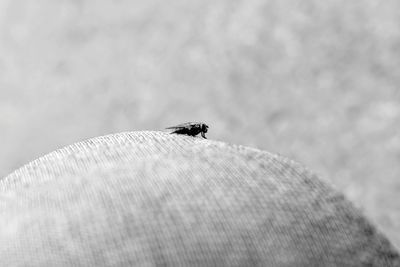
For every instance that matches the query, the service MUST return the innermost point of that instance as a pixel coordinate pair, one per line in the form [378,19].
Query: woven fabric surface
[155,199]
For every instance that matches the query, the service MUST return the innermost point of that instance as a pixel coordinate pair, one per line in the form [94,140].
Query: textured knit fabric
[155,199]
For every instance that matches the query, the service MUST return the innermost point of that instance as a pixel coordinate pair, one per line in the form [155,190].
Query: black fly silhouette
[190,128]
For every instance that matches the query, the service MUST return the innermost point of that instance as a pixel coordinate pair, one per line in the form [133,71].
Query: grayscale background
[316,81]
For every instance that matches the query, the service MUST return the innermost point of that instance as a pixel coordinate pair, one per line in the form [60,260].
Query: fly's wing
[187,125]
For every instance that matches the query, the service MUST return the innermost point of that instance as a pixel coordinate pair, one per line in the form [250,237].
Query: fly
[190,128]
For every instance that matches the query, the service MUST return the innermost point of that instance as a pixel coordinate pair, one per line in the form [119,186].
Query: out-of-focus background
[316,81]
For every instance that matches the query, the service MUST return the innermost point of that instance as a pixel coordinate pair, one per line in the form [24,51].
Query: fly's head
[204,127]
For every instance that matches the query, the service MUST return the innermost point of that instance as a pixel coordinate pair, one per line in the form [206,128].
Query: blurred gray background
[316,81]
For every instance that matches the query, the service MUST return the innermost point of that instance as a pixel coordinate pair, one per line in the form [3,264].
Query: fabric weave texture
[156,199]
